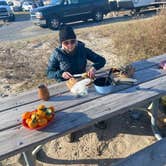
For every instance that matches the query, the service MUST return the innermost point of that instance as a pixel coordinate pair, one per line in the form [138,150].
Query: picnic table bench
[73,113]
[153,155]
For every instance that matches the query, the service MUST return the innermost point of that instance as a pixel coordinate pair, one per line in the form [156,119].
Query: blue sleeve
[53,69]
[98,61]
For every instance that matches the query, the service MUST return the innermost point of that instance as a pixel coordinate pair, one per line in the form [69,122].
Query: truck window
[56,2]
[3,3]
[73,1]
[85,1]
[65,2]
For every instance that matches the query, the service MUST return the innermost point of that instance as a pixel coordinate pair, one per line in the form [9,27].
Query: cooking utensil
[83,75]
[102,86]
[110,78]
[77,75]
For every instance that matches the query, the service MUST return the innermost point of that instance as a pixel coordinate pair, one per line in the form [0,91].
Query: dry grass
[141,39]
[25,61]
[120,43]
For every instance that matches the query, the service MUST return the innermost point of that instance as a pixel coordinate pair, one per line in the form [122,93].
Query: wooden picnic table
[73,113]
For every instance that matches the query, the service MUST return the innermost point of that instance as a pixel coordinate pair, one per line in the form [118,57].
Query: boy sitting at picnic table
[71,58]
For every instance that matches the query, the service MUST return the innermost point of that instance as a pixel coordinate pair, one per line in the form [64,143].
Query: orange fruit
[41,107]
[32,124]
[41,113]
[42,122]
[52,108]
[49,116]
[26,115]
[34,116]
[27,121]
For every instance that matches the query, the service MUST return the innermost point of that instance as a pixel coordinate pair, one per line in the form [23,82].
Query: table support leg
[30,156]
[153,113]
[30,159]
[37,149]
[154,106]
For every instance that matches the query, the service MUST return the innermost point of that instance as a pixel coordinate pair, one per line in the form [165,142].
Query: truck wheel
[134,12]
[98,16]
[54,23]
[11,18]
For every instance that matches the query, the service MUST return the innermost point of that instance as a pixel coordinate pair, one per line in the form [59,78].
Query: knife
[83,75]
[77,75]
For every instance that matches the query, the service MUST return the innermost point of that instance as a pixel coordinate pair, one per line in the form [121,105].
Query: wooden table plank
[31,96]
[67,100]
[19,139]
[146,63]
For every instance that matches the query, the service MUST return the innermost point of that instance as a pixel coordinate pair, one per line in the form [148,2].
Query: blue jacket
[75,63]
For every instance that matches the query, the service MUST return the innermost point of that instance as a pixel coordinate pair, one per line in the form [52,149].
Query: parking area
[23,28]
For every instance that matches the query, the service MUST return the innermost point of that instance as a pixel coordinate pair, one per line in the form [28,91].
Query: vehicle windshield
[55,2]
[27,3]
[3,3]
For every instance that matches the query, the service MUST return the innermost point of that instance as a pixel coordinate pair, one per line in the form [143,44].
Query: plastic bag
[80,88]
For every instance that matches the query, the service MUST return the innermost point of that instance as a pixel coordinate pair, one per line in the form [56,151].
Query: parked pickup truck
[62,11]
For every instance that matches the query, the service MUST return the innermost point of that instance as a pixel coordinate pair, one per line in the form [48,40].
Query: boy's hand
[91,72]
[66,75]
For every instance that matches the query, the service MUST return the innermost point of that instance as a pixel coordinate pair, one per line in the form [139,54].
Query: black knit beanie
[65,33]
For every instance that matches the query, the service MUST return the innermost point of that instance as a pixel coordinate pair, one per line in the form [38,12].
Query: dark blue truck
[62,11]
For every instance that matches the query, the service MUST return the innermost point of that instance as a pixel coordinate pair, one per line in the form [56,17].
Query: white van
[130,4]
[134,3]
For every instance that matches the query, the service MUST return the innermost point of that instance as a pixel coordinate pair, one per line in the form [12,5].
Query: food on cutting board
[71,82]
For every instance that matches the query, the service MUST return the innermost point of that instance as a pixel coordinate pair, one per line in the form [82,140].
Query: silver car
[6,12]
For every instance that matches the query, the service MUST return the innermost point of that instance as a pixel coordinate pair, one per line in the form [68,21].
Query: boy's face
[69,45]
